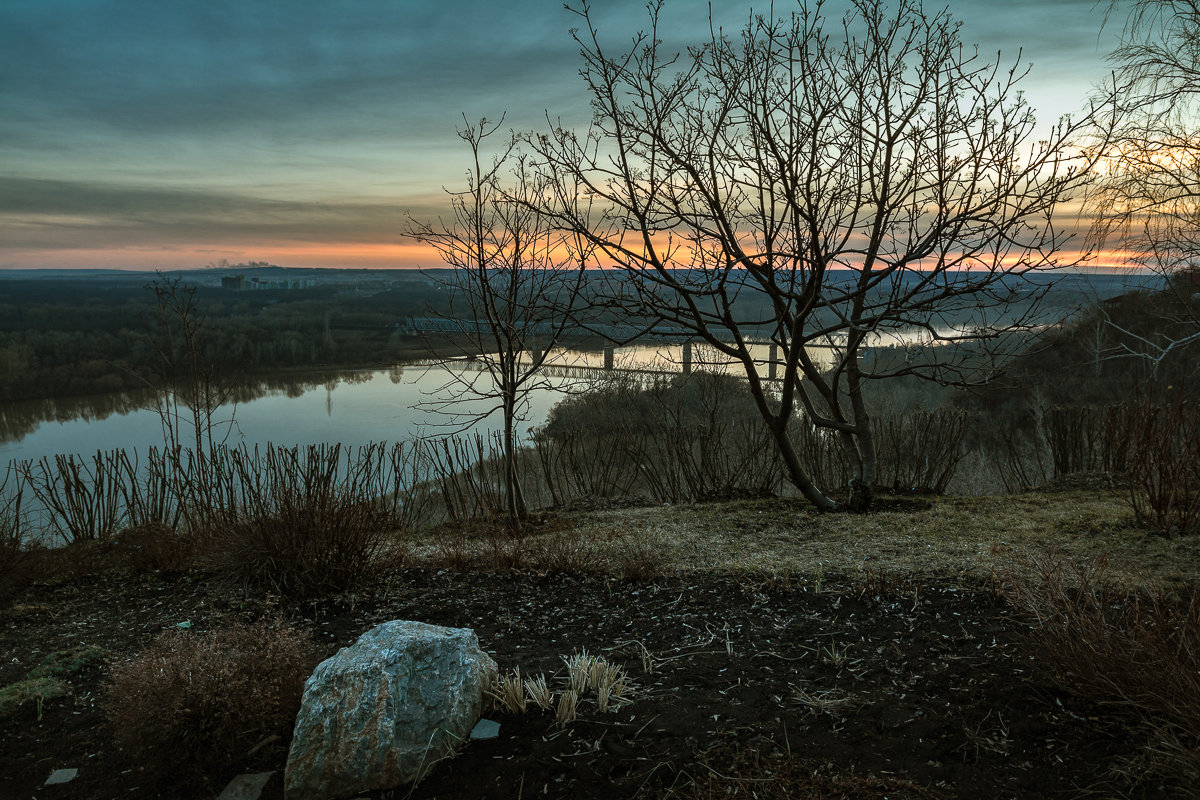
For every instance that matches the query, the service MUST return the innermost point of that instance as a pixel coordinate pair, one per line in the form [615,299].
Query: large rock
[381,712]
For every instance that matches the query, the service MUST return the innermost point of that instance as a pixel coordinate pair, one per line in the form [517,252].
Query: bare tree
[515,286]
[1149,201]
[807,183]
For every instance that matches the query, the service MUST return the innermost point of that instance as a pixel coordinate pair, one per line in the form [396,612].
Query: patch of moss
[44,682]
[29,692]
[64,663]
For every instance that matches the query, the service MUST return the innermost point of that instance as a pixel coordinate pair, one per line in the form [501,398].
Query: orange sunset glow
[142,149]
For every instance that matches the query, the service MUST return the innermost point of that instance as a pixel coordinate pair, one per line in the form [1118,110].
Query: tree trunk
[797,475]
[513,496]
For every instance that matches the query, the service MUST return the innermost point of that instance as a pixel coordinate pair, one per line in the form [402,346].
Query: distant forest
[69,335]
[64,337]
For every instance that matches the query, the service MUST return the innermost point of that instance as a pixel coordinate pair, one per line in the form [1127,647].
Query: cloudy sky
[175,133]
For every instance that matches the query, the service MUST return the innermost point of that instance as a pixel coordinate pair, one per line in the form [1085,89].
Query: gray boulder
[381,712]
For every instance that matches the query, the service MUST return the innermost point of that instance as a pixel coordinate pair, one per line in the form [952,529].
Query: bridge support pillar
[772,355]
[687,358]
[608,358]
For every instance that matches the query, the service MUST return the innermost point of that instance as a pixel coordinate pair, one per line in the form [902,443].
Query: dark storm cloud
[304,70]
[1064,40]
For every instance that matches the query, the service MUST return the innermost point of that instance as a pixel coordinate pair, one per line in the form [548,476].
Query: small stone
[485,729]
[246,787]
[61,776]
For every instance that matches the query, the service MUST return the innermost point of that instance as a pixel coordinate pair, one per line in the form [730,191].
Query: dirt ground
[756,684]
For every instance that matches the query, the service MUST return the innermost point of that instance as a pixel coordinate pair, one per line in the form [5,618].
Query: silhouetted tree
[515,286]
[856,180]
[1149,202]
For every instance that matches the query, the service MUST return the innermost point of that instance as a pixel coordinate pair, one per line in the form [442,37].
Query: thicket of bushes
[696,437]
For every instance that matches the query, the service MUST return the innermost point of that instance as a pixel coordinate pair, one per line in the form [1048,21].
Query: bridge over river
[635,349]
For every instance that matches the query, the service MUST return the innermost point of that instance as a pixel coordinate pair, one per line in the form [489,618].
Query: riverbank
[768,648]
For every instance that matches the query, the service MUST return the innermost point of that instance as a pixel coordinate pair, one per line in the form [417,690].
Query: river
[353,407]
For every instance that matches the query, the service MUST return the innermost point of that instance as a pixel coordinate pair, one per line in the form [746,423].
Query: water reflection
[353,407]
[371,405]
[20,419]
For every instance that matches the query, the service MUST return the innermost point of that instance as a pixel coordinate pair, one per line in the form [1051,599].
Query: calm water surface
[353,408]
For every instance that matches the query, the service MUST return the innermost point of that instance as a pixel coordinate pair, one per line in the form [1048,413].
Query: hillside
[767,648]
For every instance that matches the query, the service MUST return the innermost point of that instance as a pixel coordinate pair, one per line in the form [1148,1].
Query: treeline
[1139,347]
[60,338]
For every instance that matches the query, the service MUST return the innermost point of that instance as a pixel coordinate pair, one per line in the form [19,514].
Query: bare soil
[752,683]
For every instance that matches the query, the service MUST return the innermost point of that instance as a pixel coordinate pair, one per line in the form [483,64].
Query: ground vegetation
[762,645]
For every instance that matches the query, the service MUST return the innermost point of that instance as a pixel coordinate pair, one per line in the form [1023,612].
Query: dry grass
[509,692]
[586,675]
[539,692]
[207,698]
[974,541]
[560,544]
[733,771]
[47,681]
[1131,650]
[567,703]
[823,701]
[965,539]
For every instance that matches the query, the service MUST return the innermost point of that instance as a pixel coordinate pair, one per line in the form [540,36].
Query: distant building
[255,283]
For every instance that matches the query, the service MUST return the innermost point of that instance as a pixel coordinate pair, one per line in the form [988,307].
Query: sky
[178,133]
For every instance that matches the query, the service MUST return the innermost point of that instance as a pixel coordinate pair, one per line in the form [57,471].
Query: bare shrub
[150,490]
[208,698]
[453,550]
[563,552]
[1017,447]
[674,438]
[637,558]
[13,550]
[297,521]
[820,451]
[1164,464]
[83,496]
[1136,652]
[919,450]
[578,463]
[152,547]
[1087,439]
[505,548]
[469,471]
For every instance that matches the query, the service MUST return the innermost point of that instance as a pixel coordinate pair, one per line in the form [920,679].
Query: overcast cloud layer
[161,133]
